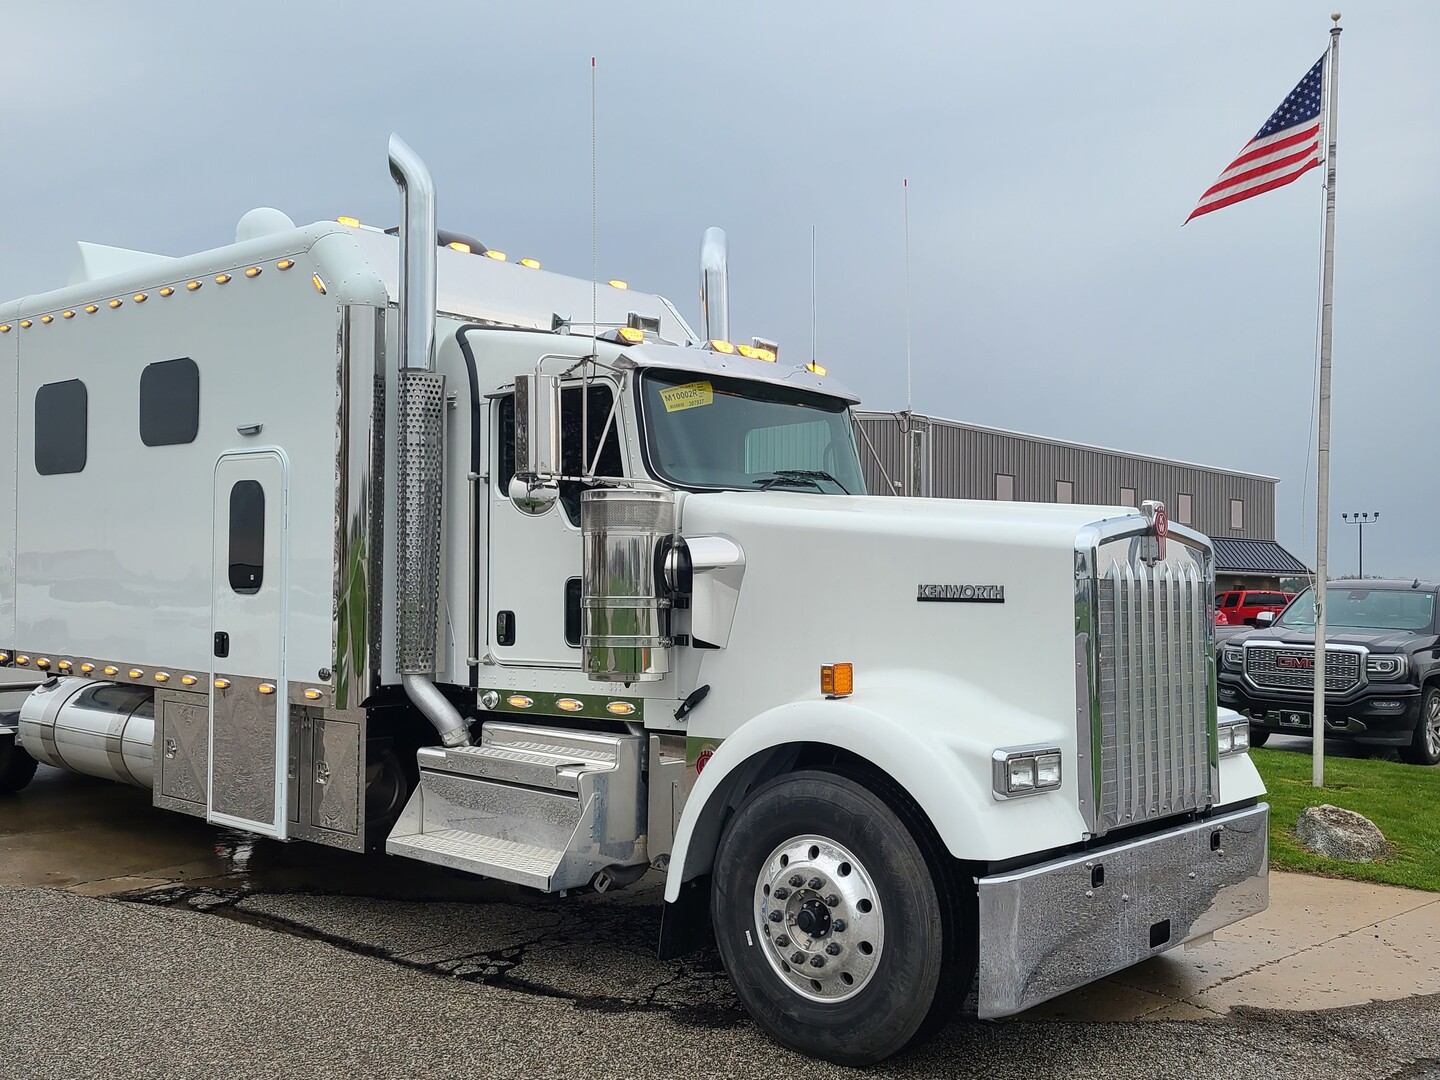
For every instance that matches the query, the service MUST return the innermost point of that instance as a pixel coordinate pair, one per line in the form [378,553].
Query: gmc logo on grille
[1306,662]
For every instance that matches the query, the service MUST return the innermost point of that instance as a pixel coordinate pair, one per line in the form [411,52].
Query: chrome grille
[1153,679]
[1268,667]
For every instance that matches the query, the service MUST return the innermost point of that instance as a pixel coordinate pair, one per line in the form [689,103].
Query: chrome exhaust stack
[714,287]
[420,455]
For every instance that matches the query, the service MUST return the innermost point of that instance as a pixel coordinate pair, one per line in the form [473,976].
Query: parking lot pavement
[160,946]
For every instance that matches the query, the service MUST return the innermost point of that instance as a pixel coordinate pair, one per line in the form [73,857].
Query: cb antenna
[905,188]
[594,248]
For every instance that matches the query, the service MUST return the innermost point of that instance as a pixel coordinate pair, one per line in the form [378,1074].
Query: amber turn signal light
[837,680]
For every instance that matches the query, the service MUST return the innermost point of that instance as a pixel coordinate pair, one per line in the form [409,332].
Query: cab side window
[609,463]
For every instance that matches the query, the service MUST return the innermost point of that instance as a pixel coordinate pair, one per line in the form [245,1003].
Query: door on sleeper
[249,732]
[535,559]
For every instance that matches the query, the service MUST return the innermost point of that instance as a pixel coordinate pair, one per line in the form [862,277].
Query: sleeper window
[169,402]
[247,537]
[62,412]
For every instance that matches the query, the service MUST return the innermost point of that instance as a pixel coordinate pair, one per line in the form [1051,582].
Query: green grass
[1402,800]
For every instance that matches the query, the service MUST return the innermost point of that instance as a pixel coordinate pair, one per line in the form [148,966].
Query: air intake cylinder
[626,623]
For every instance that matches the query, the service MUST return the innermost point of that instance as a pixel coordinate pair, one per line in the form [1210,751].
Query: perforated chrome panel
[419,483]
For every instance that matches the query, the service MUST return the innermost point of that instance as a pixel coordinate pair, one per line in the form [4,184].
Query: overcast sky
[1053,151]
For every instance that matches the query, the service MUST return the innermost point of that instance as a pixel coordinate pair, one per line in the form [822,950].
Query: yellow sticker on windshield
[687,396]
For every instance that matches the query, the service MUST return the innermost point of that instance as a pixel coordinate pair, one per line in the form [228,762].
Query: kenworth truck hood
[835,578]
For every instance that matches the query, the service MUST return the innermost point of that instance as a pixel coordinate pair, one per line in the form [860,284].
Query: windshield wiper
[810,476]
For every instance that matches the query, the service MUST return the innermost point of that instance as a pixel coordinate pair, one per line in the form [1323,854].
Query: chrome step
[538,806]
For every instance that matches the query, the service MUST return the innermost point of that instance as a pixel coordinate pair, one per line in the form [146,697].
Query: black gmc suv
[1382,668]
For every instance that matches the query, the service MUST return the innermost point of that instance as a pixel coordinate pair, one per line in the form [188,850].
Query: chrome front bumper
[1052,927]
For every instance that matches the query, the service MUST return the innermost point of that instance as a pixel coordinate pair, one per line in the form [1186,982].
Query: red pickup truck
[1241,606]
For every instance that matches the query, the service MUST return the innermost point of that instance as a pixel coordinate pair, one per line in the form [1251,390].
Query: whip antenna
[905,186]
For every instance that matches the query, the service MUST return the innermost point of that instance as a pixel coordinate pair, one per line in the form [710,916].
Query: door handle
[222,643]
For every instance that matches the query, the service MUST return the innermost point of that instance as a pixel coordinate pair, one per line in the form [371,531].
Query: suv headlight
[1234,735]
[1232,657]
[1390,666]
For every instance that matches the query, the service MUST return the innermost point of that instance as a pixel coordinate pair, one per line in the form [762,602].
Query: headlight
[1385,667]
[1233,735]
[1232,657]
[1025,770]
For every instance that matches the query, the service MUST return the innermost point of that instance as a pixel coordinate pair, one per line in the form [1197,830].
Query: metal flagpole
[1322,470]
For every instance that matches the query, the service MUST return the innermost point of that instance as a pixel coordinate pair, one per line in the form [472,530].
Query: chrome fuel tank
[96,728]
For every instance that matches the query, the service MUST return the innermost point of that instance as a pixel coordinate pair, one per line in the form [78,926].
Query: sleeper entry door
[249,732]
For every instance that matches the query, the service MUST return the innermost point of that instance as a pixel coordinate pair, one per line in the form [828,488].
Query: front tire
[840,919]
[16,766]
[1424,748]
[1259,736]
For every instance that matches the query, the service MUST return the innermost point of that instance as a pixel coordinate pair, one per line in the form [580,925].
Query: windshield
[717,432]
[1369,609]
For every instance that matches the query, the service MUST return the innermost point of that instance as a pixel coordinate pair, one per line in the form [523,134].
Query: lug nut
[816,883]
[797,957]
[833,949]
[781,893]
[832,900]
[776,916]
[838,926]
[796,881]
[817,961]
[782,940]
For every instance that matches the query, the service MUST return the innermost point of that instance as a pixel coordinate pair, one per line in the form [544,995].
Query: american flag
[1284,149]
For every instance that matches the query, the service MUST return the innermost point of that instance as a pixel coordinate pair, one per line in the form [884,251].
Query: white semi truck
[372,540]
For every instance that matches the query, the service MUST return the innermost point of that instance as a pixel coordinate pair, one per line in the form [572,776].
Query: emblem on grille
[1159,522]
[1306,662]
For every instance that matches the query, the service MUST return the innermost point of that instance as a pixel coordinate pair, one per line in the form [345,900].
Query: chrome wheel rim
[821,922]
[1432,725]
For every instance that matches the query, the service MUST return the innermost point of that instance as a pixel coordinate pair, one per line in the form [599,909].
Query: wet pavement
[194,951]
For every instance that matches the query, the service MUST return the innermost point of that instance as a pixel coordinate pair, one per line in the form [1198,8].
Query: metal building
[950,459]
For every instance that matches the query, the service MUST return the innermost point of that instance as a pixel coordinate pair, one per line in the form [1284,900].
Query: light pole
[1362,520]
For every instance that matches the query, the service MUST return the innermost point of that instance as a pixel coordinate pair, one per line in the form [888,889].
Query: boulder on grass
[1341,834]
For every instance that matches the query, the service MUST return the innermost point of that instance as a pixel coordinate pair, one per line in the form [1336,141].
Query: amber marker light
[168,290]
[222,684]
[616,283]
[188,680]
[632,335]
[86,669]
[319,285]
[815,369]
[4,328]
[312,694]
[4,657]
[463,248]
[222,279]
[23,661]
[569,704]
[533,264]
[111,669]
[837,680]
[349,222]
[139,298]
[114,304]
[266,688]
[285,264]
[90,309]
[162,676]
[721,346]
[42,663]
[498,256]
[619,708]
[47,319]
[253,272]
[25,324]
[519,701]
[67,314]
[136,672]
[64,665]
[192,285]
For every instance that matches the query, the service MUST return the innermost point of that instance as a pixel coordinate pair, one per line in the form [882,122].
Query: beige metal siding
[964,460]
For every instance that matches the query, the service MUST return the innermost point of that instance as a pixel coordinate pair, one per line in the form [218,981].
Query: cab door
[535,559]
[249,732]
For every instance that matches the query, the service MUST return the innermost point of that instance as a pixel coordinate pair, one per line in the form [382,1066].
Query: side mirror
[533,496]
[537,426]
[1265,618]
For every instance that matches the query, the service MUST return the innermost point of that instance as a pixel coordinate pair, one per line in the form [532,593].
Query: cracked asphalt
[201,954]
